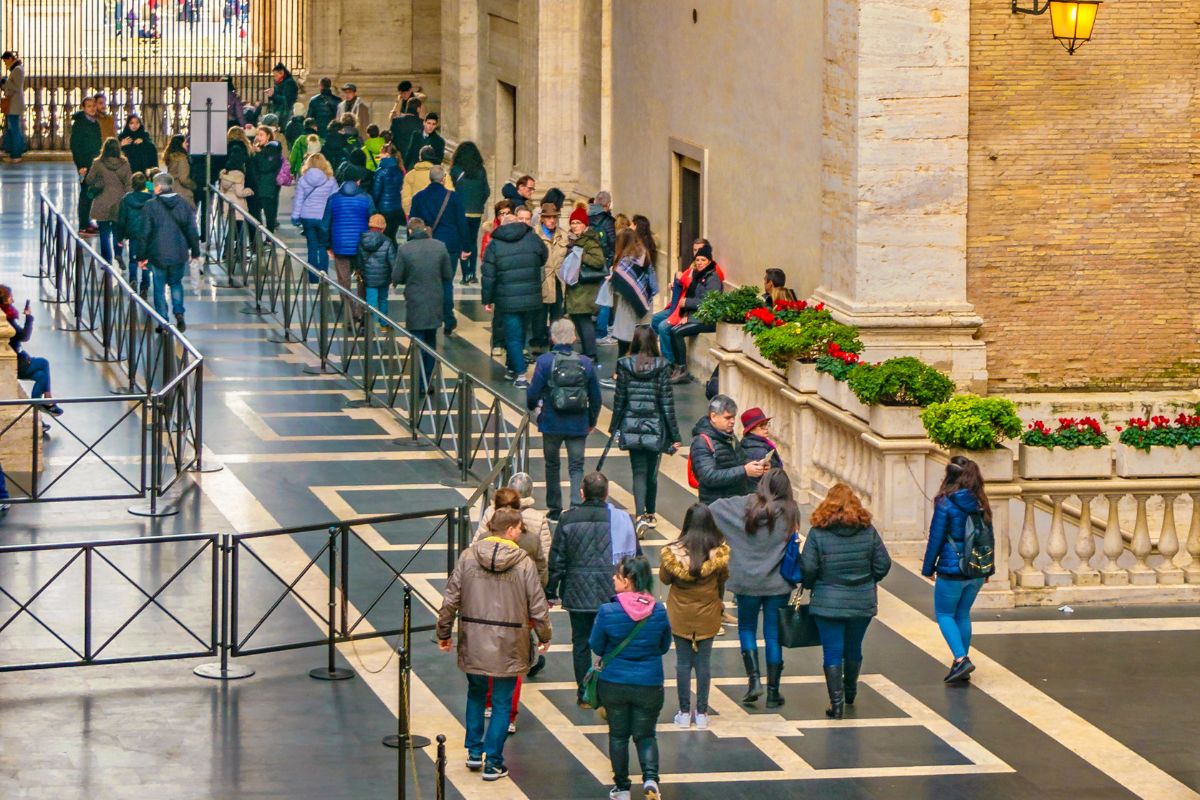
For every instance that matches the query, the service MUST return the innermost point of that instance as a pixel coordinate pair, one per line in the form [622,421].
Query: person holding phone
[756,443]
[29,368]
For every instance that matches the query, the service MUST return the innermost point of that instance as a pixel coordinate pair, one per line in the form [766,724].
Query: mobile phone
[27,306]
[767,458]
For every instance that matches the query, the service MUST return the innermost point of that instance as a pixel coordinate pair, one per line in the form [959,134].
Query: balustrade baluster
[1085,546]
[1111,574]
[1056,546]
[1028,548]
[1193,542]
[1140,574]
[1168,544]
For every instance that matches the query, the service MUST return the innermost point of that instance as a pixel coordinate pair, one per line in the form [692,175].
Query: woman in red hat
[756,442]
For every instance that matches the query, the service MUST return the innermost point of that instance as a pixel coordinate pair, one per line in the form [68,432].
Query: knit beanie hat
[579,215]
[706,251]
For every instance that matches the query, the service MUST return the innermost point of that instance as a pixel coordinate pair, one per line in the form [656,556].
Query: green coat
[581,298]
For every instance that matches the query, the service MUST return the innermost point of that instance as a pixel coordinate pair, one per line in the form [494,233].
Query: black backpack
[977,558]
[568,383]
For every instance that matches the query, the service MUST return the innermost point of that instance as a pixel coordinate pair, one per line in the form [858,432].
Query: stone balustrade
[1074,540]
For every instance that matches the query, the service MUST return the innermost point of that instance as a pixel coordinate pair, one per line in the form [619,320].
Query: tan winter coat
[694,605]
[416,180]
[536,538]
[233,185]
[180,169]
[557,245]
[495,593]
[109,177]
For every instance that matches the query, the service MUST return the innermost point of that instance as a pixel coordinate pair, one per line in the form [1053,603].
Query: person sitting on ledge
[703,276]
[29,368]
[774,288]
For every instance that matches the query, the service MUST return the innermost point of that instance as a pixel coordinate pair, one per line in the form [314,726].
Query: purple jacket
[313,190]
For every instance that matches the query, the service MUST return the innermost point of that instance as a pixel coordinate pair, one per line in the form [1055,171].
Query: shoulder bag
[797,627]
[591,689]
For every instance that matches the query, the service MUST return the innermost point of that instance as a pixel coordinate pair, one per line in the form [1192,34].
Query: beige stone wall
[744,84]
[1082,237]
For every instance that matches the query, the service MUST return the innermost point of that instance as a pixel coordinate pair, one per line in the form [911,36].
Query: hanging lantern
[1071,21]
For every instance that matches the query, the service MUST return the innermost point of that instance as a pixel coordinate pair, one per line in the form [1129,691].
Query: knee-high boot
[837,691]
[850,676]
[774,673]
[753,685]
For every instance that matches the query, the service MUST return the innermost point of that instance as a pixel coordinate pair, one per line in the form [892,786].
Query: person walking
[169,234]
[313,190]
[302,147]
[442,210]
[512,289]
[427,136]
[843,559]
[580,301]
[634,288]
[386,188]
[717,460]
[137,145]
[264,175]
[177,164]
[353,105]
[417,177]
[960,500]
[129,228]
[590,540]
[323,107]
[374,261]
[630,637]
[406,119]
[695,567]
[85,148]
[470,180]
[282,95]
[29,368]
[422,267]
[758,527]
[13,93]
[756,444]
[495,593]
[108,180]
[565,393]
[347,213]
[644,420]
[555,239]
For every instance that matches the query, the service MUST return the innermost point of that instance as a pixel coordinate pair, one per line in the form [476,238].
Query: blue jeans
[749,606]
[109,244]
[514,340]
[164,277]
[318,256]
[841,639]
[660,326]
[14,136]
[377,297]
[602,319]
[36,370]
[451,322]
[952,601]
[491,743]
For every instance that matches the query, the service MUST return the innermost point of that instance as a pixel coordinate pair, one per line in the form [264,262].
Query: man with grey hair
[536,539]
[168,235]
[565,387]
[423,267]
[601,220]
[443,210]
[717,459]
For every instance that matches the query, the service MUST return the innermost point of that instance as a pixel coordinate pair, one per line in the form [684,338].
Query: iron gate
[143,54]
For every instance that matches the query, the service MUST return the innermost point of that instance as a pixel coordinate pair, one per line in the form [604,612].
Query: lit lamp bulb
[1072,21]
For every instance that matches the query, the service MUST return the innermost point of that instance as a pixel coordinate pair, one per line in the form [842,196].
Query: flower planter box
[750,349]
[996,465]
[1160,462]
[849,401]
[730,337]
[896,422]
[828,388]
[1082,462]
[802,376]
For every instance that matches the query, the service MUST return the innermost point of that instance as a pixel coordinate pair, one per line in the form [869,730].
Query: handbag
[790,569]
[797,627]
[591,689]
[604,295]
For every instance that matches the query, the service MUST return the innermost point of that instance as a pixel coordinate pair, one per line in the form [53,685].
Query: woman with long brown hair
[843,559]
[960,498]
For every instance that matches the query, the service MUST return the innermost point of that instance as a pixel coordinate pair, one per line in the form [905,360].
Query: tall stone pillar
[460,70]
[894,181]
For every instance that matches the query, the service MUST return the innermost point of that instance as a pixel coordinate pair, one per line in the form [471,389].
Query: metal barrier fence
[162,384]
[436,401]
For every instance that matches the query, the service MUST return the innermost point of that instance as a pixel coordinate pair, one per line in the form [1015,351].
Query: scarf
[634,285]
[624,539]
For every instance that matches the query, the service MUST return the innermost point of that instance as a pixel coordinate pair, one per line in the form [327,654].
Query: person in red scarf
[673,323]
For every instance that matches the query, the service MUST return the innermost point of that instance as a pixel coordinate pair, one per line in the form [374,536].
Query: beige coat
[557,245]
[181,170]
[495,593]
[536,538]
[109,177]
[416,180]
[232,184]
[694,605]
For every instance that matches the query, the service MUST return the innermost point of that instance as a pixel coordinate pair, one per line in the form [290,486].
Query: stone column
[894,181]
[460,70]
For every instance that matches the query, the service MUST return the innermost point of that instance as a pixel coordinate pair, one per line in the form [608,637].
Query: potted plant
[832,369]
[758,322]
[975,427]
[1077,448]
[1158,448]
[802,342]
[895,391]
[727,310]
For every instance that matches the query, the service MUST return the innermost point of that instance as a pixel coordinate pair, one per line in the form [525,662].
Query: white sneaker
[650,791]
[701,721]
[512,727]
[683,720]
[618,794]
[607,340]
[487,712]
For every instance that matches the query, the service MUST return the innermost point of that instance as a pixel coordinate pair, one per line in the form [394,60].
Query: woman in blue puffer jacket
[385,189]
[313,189]
[961,496]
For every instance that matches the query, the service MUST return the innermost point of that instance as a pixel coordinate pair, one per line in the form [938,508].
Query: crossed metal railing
[159,405]
[439,403]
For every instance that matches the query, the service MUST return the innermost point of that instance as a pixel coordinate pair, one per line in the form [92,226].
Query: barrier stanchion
[222,670]
[404,738]
[440,784]
[323,343]
[332,672]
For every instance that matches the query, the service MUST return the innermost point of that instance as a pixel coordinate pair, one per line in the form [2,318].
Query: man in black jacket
[168,237]
[512,287]
[322,108]
[85,148]
[581,566]
[717,459]
[426,137]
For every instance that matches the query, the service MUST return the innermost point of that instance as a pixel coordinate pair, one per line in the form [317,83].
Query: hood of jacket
[174,202]
[846,531]
[526,502]
[312,178]
[350,189]
[112,163]
[638,605]
[497,555]
[965,501]
[373,241]
[675,560]
[512,232]
[233,177]
[704,425]
[136,198]
[596,210]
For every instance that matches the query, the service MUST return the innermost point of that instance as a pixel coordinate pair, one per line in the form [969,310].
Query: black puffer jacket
[512,269]
[264,170]
[721,468]
[644,405]
[168,232]
[376,255]
[841,565]
[581,567]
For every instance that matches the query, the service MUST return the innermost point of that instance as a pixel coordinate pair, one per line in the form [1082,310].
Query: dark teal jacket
[841,565]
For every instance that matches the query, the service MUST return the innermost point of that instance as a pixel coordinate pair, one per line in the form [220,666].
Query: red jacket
[685,280]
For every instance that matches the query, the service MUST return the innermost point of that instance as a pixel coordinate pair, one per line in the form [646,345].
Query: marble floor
[1099,704]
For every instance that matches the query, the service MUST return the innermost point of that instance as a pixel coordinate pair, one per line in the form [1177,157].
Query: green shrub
[804,342]
[970,422]
[729,307]
[904,381]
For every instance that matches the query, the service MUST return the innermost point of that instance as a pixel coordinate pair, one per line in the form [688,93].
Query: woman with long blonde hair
[313,190]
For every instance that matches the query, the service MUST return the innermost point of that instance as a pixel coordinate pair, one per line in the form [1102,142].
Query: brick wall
[1082,242]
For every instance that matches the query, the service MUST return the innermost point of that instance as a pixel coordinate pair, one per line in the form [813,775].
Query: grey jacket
[109,177]
[754,559]
[422,266]
[841,565]
[14,89]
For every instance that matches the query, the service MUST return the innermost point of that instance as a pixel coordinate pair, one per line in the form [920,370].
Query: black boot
[753,686]
[774,673]
[837,692]
[851,669]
